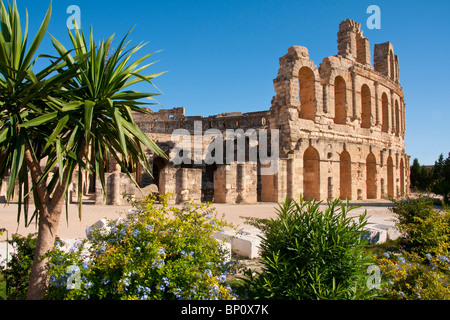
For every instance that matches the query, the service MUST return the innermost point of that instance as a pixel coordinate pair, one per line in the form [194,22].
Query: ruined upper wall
[168,120]
[351,43]
[354,46]
[344,98]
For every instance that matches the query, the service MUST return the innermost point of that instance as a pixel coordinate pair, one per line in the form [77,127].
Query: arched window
[307,93]
[384,112]
[340,97]
[366,108]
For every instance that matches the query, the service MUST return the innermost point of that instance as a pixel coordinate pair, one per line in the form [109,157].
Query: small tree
[70,116]
[441,177]
[421,176]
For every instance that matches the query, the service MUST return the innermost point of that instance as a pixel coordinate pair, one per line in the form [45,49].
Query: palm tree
[73,115]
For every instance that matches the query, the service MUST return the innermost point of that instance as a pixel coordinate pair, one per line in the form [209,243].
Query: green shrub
[312,254]
[16,273]
[421,268]
[159,253]
[424,228]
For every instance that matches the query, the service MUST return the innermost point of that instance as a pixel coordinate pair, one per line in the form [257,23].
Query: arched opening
[402,177]
[397,119]
[340,112]
[384,112]
[158,166]
[371,171]
[366,108]
[208,182]
[390,177]
[345,175]
[307,93]
[311,174]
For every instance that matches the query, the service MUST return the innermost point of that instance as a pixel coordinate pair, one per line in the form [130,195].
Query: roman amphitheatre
[341,131]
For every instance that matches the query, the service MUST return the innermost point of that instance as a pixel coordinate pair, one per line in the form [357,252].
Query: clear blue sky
[222,56]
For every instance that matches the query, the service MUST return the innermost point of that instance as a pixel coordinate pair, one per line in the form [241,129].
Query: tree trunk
[49,213]
[48,225]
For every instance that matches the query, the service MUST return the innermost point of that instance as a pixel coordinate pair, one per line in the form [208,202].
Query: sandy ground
[74,228]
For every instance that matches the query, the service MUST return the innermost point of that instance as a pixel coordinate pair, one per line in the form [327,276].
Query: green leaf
[88,115]
[39,36]
[39,120]
[59,127]
[4,133]
[59,157]
[16,165]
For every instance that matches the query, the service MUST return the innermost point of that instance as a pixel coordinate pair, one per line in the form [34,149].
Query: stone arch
[371,172]
[366,108]
[384,112]
[345,175]
[307,93]
[390,177]
[397,119]
[340,98]
[311,174]
[402,177]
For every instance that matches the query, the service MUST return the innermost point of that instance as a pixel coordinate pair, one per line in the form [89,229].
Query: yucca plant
[70,116]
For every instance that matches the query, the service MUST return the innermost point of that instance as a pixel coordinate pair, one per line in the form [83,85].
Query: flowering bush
[160,252]
[410,276]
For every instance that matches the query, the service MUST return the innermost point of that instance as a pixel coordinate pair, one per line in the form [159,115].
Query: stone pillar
[240,185]
[377,105]
[392,113]
[290,177]
[116,199]
[99,194]
[184,191]
[355,114]
[280,181]
[330,188]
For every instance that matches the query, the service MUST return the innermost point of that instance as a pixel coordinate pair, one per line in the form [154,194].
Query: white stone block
[375,236]
[225,236]
[246,246]
[392,231]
